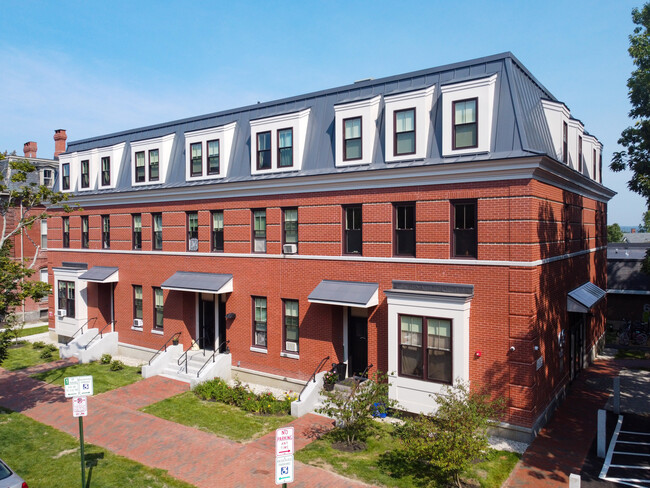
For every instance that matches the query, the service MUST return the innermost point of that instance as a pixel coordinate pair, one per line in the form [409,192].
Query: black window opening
[259,322]
[291,342]
[217,231]
[85,173]
[106,171]
[196,159]
[405,230]
[259,231]
[154,165]
[465,229]
[213,157]
[404,137]
[65,176]
[139,167]
[158,305]
[106,232]
[85,239]
[157,242]
[580,153]
[192,231]
[465,124]
[66,298]
[66,231]
[352,149]
[264,150]
[285,148]
[353,235]
[425,354]
[137,231]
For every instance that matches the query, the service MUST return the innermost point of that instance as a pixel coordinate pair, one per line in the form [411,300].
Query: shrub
[241,396]
[46,354]
[106,359]
[38,345]
[117,365]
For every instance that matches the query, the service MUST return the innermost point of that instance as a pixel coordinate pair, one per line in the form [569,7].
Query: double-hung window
[192,231]
[290,219]
[66,231]
[565,142]
[196,161]
[154,165]
[158,303]
[291,326]
[85,239]
[465,124]
[352,139]
[425,354]
[580,153]
[85,173]
[137,302]
[43,233]
[352,232]
[106,171]
[106,231]
[593,159]
[139,167]
[259,323]
[213,157]
[65,176]
[405,229]
[285,148]
[157,241]
[217,231]
[264,150]
[259,231]
[66,298]
[404,140]
[137,231]
[465,229]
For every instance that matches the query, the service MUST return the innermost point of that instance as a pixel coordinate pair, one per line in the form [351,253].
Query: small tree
[456,435]
[353,408]
[614,233]
[645,225]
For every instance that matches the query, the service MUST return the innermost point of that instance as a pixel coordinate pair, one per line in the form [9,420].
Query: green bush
[46,354]
[241,396]
[51,347]
[106,359]
[38,345]
[117,365]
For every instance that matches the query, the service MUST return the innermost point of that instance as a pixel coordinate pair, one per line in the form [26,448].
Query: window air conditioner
[290,249]
[137,322]
[291,346]
[61,313]
[194,244]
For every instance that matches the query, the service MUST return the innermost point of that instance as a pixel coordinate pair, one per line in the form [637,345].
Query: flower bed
[241,396]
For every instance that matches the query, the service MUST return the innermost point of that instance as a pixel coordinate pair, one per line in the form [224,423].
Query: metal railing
[80,329]
[216,351]
[313,375]
[184,355]
[100,334]
[177,335]
[365,371]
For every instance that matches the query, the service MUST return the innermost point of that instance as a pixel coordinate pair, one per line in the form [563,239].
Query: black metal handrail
[80,329]
[184,355]
[212,356]
[313,375]
[100,334]
[365,371]
[177,335]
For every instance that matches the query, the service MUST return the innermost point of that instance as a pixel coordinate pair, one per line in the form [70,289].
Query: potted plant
[329,380]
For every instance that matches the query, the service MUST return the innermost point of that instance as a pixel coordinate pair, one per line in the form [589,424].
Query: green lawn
[103,378]
[33,330]
[215,417]
[381,464]
[24,356]
[46,457]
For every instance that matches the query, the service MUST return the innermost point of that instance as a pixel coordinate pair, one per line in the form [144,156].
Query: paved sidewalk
[188,454]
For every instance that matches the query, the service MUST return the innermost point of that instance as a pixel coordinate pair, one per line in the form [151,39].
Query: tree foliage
[636,139]
[645,225]
[456,435]
[614,233]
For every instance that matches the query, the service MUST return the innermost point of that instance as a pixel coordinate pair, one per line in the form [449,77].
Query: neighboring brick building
[463,201]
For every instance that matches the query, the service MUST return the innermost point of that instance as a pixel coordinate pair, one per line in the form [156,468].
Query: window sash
[85,174]
[291,333]
[196,159]
[154,165]
[405,230]
[66,231]
[158,307]
[106,232]
[353,225]
[66,299]
[106,171]
[465,231]
[84,232]
[65,177]
[405,131]
[260,223]
[157,231]
[137,232]
[264,150]
[291,226]
[213,157]
[139,167]
[259,332]
[43,233]
[352,139]
[285,148]
[426,356]
[137,302]
[465,124]
[217,231]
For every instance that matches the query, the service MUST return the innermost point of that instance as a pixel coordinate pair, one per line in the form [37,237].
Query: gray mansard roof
[519,129]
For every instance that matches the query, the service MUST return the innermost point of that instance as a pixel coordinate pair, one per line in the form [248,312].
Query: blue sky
[95,67]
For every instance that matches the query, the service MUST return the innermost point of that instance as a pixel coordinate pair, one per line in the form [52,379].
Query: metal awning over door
[101,274]
[583,298]
[199,282]
[346,293]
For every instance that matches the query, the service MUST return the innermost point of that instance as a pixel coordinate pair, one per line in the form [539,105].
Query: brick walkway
[188,454]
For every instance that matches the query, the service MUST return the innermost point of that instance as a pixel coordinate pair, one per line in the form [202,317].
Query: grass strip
[103,378]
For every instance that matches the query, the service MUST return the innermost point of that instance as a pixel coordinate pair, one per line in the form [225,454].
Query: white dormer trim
[225,134]
[556,114]
[422,102]
[576,129]
[164,146]
[298,122]
[94,157]
[368,110]
[482,89]
[590,143]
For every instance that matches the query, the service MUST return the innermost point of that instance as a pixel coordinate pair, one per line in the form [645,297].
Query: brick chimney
[30,149]
[59,142]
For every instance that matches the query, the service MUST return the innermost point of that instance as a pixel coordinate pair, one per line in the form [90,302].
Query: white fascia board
[298,122]
[368,110]
[164,145]
[422,102]
[225,134]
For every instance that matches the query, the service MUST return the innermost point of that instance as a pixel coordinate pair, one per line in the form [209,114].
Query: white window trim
[483,89]
[556,114]
[43,225]
[298,122]
[575,131]
[590,168]
[422,102]
[67,326]
[225,134]
[94,157]
[164,145]
[368,110]
[414,395]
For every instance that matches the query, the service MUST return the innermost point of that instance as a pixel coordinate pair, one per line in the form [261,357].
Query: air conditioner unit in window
[290,249]
[291,346]
[194,244]
[137,322]
[61,313]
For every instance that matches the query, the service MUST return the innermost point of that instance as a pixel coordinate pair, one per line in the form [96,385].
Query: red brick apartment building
[438,225]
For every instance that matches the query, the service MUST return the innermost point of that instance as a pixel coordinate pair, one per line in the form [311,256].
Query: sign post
[284,456]
[79,388]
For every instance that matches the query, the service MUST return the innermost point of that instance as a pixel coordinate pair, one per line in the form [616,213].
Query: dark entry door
[222,324]
[358,341]
[577,338]
[206,324]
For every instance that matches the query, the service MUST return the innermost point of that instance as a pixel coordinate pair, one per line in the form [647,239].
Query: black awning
[584,297]
[346,293]
[199,282]
[101,274]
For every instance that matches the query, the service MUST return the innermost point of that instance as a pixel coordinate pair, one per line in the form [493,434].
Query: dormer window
[151,159]
[106,171]
[565,142]
[154,165]
[580,153]
[65,176]
[196,149]
[404,140]
[356,131]
[139,167]
[47,178]
[352,148]
[264,150]
[285,148]
[213,157]
[85,173]
[408,124]
[465,124]
[208,152]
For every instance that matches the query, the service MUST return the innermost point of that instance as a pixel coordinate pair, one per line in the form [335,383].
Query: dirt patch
[349,447]
[65,453]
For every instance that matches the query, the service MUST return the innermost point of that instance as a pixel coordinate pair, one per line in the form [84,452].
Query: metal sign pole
[83,461]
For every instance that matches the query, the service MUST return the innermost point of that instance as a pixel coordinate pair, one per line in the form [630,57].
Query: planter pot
[328,386]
